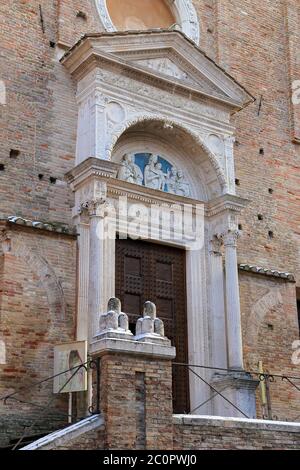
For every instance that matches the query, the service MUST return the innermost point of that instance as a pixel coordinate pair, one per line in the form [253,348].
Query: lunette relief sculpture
[153,171]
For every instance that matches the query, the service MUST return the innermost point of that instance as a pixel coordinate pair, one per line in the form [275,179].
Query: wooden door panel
[147,271]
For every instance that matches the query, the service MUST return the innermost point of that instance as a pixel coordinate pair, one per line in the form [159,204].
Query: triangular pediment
[166,55]
[173,66]
[166,66]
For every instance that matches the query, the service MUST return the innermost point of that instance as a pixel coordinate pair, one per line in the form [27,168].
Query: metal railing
[264,394]
[45,410]
[267,383]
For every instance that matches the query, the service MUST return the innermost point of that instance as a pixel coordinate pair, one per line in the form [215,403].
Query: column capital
[230,140]
[229,237]
[96,207]
[215,246]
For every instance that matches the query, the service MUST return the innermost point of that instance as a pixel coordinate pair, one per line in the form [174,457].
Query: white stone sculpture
[173,182]
[177,184]
[181,188]
[149,327]
[166,67]
[129,171]
[152,173]
[114,321]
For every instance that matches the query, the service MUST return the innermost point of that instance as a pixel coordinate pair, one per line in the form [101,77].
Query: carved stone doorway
[148,271]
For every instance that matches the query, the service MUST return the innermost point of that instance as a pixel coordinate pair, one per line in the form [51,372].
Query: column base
[239,388]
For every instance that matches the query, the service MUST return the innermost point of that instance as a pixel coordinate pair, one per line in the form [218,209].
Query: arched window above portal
[140,14]
[144,15]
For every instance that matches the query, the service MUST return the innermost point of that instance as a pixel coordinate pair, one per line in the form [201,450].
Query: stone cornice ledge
[97,43]
[225,202]
[238,423]
[92,167]
[120,346]
[146,195]
[57,228]
[267,272]
[106,170]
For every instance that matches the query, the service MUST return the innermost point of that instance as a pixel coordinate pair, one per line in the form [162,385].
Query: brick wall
[251,40]
[40,117]
[37,312]
[194,433]
[134,390]
[255,43]
[269,328]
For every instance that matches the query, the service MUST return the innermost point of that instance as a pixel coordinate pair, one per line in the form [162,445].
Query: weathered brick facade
[256,43]
[37,312]
[147,416]
[210,434]
[119,426]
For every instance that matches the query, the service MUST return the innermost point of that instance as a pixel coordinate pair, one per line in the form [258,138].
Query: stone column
[83,277]
[237,398]
[217,305]
[96,257]
[233,312]
[198,330]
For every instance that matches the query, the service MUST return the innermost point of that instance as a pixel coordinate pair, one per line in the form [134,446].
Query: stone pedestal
[136,382]
[239,389]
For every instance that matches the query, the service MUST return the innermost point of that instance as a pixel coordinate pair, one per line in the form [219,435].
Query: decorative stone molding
[226,204]
[216,246]
[116,92]
[92,167]
[184,11]
[230,237]
[149,328]
[95,207]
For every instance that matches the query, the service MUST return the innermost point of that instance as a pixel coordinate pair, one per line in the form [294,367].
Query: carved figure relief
[154,172]
[129,171]
[166,67]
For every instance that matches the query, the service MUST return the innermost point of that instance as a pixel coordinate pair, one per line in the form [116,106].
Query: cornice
[267,272]
[90,167]
[148,76]
[227,202]
[16,222]
[141,194]
[105,44]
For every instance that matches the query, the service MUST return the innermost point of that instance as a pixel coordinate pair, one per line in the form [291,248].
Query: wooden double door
[147,271]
